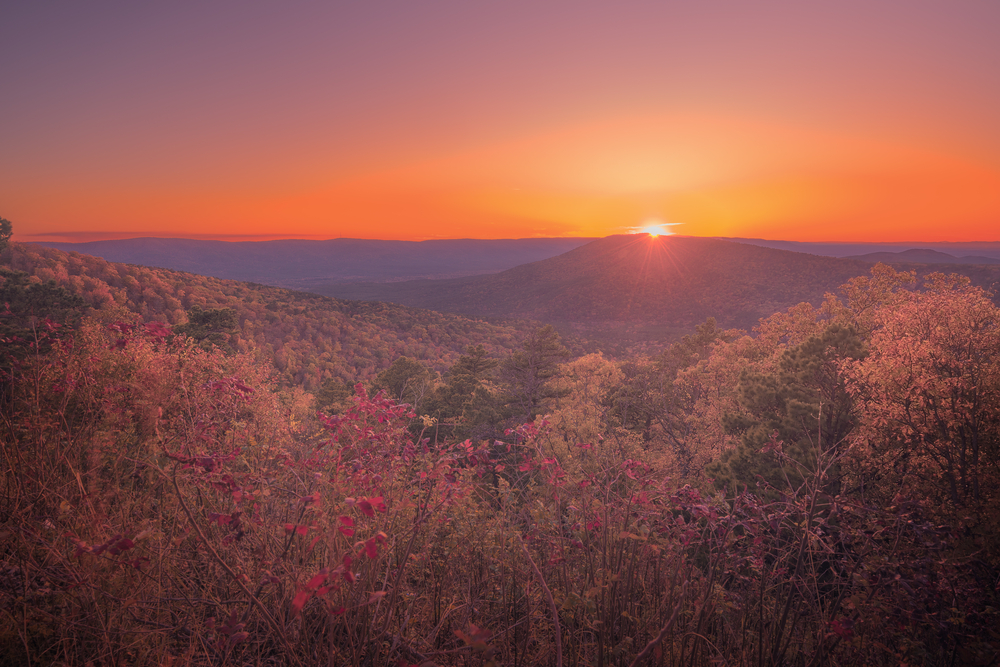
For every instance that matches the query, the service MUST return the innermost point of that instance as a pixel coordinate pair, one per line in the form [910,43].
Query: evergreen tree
[405,381]
[6,229]
[805,406]
[209,326]
[527,373]
[465,405]
[333,394]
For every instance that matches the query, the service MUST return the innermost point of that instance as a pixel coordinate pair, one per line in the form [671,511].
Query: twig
[552,602]
[663,631]
[225,566]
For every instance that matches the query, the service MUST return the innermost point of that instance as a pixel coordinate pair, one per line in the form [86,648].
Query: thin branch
[225,566]
[552,602]
[663,631]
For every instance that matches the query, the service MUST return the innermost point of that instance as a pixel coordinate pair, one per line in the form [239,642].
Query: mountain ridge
[923,256]
[297,263]
[639,288]
[671,283]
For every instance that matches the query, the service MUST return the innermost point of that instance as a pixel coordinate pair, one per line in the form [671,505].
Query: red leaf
[157,329]
[318,579]
[310,499]
[300,601]
[844,627]
[121,545]
[370,546]
[345,569]
[366,507]
[138,562]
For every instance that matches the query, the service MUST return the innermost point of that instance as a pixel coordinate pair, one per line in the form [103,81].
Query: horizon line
[98,236]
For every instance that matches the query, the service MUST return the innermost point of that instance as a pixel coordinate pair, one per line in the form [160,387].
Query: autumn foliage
[820,492]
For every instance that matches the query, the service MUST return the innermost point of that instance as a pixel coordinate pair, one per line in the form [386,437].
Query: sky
[860,121]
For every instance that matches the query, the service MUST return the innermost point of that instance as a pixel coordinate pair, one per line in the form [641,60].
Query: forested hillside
[633,287]
[821,490]
[308,338]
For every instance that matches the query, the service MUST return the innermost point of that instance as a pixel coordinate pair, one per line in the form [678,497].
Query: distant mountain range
[978,252]
[314,265]
[302,264]
[632,287]
[924,256]
[618,290]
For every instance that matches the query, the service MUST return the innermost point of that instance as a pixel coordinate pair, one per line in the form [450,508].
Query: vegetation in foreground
[820,493]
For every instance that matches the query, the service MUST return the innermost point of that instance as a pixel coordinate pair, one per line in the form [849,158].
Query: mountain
[301,264]
[618,291]
[969,252]
[633,287]
[923,256]
[309,338]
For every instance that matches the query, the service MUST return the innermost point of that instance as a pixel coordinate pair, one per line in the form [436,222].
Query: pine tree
[805,406]
[527,373]
[6,229]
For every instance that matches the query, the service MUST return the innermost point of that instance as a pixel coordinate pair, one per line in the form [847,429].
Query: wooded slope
[633,286]
[309,338]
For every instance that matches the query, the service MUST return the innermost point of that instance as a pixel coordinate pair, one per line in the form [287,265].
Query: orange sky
[851,122]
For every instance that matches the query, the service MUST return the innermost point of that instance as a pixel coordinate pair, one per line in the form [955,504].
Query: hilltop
[632,287]
[924,256]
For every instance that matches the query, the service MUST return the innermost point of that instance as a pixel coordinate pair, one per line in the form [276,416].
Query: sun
[653,227]
[656,229]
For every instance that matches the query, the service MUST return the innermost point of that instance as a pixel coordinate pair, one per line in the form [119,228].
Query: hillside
[633,287]
[302,264]
[968,251]
[309,338]
[174,505]
[923,256]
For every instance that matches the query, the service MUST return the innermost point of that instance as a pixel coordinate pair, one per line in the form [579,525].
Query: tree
[581,416]
[33,315]
[805,405]
[928,399]
[527,373]
[6,229]
[209,326]
[333,395]
[658,397]
[465,405]
[632,404]
[405,381]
